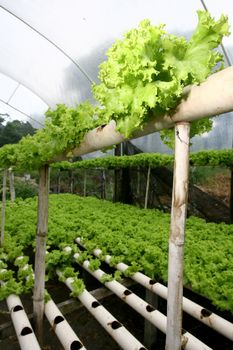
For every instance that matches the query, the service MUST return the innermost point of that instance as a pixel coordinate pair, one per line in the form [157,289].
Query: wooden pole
[177,233]
[147,187]
[59,181]
[150,332]
[12,185]
[231,196]
[103,184]
[85,183]
[71,181]
[3,206]
[42,230]
[138,181]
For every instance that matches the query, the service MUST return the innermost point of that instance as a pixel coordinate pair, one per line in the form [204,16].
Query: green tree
[13,131]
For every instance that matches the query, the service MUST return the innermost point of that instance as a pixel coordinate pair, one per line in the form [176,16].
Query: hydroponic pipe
[115,329]
[212,97]
[207,317]
[61,327]
[159,320]
[26,337]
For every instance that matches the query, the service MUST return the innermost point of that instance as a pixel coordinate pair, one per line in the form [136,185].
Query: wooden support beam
[177,234]
[150,332]
[12,185]
[147,187]
[42,230]
[3,207]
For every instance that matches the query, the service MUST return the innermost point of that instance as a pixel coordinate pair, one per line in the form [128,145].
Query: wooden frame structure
[214,96]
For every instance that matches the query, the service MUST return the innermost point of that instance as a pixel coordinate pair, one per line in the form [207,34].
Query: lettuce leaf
[147,70]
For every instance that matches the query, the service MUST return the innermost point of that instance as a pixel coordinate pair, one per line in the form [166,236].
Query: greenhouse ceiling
[51,49]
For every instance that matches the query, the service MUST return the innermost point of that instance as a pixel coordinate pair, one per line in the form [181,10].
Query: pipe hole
[76,345]
[116,325]
[17,308]
[127,292]
[150,308]
[95,304]
[58,319]
[142,349]
[151,282]
[26,331]
[205,313]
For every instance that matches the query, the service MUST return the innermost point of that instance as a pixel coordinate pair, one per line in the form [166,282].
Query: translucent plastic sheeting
[31,60]
[226,7]
[54,47]
[18,102]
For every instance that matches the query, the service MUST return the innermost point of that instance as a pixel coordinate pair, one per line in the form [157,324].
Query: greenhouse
[116,137]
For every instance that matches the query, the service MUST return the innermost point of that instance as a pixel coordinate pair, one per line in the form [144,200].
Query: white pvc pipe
[208,318]
[26,337]
[210,98]
[116,330]
[138,304]
[159,320]
[61,327]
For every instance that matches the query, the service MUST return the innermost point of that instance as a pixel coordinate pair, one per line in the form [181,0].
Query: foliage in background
[13,131]
[25,189]
[203,158]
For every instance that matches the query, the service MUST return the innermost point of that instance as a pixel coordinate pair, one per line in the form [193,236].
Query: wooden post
[59,181]
[147,187]
[150,332]
[72,181]
[103,184]
[176,240]
[3,206]
[85,183]
[138,181]
[231,195]
[42,230]
[12,185]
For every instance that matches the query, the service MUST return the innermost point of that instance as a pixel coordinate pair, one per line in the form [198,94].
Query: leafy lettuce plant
[146,72]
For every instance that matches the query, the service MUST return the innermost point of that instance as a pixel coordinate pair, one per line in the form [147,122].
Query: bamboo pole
[103,184]
[3,206]
[71,181]
[42,230]
[12,185]
[147,187]
[150,332]
[59,181]
[138,182]
[176,241]
[85,183]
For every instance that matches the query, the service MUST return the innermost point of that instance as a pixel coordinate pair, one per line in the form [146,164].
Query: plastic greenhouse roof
[51,49]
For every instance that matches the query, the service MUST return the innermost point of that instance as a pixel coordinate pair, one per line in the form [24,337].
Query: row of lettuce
[135,236]
[144,77]
[215,158]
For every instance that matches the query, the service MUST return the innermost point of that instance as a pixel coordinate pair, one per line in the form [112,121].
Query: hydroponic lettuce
[137,237]
[146,72]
